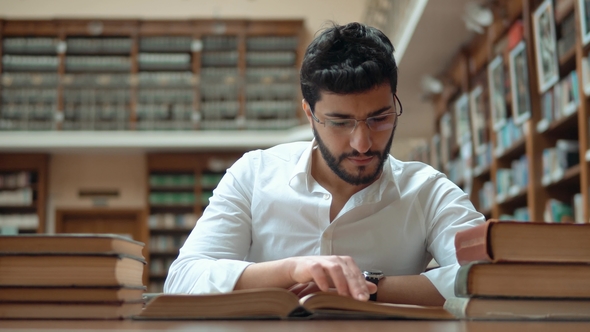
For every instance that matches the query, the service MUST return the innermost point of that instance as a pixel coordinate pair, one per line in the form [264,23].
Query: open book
[277,303]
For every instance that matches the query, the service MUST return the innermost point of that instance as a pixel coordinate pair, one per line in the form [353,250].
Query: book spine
[472,244]
[462,281]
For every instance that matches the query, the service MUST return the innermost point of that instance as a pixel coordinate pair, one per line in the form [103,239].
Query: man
[314,216]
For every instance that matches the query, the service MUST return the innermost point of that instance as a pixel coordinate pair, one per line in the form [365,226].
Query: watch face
[373,273]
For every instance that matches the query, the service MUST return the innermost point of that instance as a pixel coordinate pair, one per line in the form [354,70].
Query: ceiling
[438,36]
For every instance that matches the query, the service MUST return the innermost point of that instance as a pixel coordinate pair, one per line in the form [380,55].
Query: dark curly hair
[346,59]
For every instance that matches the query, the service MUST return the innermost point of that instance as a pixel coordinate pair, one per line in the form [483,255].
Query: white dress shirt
[268,207]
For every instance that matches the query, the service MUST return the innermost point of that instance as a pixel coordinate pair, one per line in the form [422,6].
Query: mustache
[358,154]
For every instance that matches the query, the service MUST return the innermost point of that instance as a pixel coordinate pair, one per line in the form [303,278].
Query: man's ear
[307,110]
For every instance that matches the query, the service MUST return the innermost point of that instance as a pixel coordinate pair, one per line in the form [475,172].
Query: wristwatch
[373,276]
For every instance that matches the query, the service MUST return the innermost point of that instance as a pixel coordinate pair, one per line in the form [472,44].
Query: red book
[513,241]
[515,34]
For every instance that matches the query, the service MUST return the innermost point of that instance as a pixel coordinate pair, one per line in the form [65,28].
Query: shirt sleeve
[447,210]
[213,257]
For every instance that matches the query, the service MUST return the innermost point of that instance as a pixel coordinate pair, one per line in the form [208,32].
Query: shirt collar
[301,178]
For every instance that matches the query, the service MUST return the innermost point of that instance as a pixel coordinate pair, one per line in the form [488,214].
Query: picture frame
[584,6]
[462,122]
[519,84]
[545,46]
[497,92]
[478,119]
[445,140]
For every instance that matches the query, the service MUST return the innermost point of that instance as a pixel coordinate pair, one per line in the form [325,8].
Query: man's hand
[339,272]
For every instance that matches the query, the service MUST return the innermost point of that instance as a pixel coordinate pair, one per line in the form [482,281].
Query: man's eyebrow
[348,116]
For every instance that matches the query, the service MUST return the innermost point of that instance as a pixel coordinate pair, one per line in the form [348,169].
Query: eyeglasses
[379,122]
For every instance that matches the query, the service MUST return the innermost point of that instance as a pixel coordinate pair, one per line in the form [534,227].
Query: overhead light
[480,14]
[477,17]
[431,85]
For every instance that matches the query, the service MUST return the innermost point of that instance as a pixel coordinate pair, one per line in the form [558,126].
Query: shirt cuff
[443,278]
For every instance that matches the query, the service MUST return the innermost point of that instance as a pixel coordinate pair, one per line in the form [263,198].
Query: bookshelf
[527,155]
[23,193]
[180,186]
[149,75]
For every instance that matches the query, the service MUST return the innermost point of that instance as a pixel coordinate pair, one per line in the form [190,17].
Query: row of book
[560,101]
[96,112]
[13,223]
[16,197]
[510,181]
[220,75]
[519,214]
[16,180]
[88,276]
[522,270]
[507,136]
[35,45]
[161,243]
[565,212]
[207,180]
[557,160]
[29,95]
[159,266]
[179,198]
[172,221]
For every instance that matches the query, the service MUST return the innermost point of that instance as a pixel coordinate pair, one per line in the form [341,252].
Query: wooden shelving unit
[186,75]
[522,156]
[179,188]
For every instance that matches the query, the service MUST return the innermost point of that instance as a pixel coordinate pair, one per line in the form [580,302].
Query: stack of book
[70,276]
[523,270]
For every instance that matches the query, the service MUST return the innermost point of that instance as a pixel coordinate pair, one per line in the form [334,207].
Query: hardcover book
[278,303]
[508,241]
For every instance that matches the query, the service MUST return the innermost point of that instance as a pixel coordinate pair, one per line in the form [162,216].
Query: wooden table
[295,326]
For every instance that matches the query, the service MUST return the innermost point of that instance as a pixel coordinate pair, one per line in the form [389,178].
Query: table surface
[304,326]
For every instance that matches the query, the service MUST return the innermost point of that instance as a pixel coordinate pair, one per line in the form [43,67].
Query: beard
[358,178]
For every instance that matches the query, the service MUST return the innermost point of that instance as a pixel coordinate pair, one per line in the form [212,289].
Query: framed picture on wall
[497,93]
[519,83]
[445,140]
[478,119]
[462,128]
[545,46]
[584,6]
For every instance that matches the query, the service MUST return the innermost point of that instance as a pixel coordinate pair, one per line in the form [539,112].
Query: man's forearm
[412,289]
[267,274]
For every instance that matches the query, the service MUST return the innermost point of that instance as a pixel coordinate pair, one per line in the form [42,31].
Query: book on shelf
[278,303]
[71,243]
[518,309]
[510,241]
[70,293]
[558,212]
[86,269]
[70,310]
[523,280]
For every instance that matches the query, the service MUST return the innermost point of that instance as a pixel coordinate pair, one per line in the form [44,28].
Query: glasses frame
[401,110]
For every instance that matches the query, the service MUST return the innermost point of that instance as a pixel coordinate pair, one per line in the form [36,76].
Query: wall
[68,173]
[314,12]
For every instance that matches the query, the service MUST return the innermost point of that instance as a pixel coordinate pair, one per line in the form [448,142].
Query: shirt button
[326,196]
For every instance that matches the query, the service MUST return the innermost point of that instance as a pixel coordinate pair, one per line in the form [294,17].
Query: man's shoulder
[413,168]
[286,152]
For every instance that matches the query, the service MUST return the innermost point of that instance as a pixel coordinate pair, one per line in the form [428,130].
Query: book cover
[518,309]
[71,243]
[513,241]
[522,280]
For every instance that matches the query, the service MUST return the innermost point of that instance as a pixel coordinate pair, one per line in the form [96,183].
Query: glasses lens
[381,122]
[341,126]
